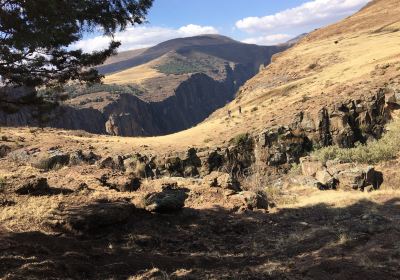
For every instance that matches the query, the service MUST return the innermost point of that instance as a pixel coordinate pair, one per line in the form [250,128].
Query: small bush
[312,66]
[254,109]
[240,139]
[373,152]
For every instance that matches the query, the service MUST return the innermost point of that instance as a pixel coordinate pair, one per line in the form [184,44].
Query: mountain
[160,90]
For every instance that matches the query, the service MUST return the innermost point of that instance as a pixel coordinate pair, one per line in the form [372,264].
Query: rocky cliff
[190,78]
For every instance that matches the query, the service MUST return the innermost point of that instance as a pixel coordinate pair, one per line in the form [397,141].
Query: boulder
[222,180]
[114,163]
[394,98]
[34,186]
[80,157]
[51,160]
[129,184]
[89,218]
[174,166]
[4,150]
[169,200]
[120,183]
[352,179]
[214,161]
[140,166]
[310,166]
[323,176]
[253,200]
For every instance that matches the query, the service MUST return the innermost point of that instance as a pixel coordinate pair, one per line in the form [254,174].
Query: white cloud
[143,37]
[309,13]
[268,40]
[192,29]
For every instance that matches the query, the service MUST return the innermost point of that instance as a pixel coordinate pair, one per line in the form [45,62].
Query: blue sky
[263,22]
[221,14]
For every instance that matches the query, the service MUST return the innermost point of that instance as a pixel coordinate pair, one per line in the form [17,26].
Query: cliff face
[128,115]
[181,83]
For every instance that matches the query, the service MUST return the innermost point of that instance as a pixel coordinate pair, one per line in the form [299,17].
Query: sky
[262,22]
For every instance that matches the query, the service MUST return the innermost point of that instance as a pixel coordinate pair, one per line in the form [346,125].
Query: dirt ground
[317,235]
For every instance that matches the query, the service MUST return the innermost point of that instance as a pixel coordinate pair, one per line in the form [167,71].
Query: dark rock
[4,150]
[215,161]
[35,186]
[79,157]
[191,163]
[141,166]
[253,200]
[128,184]
[51,160]
[90,218]
[281,145]
[174,166]
[6,203]
[39,187]
[114,163]
[169,200]
[221,180]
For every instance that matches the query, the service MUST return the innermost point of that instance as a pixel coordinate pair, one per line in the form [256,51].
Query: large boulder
[140,166]
[113,163]
[222,180]
[90,218]
[359,178]
[310,166]
[126,184]
[394,99]
[174,166]
[166,201]
[34,186]
[253,200]
[191,163]
[50,160]
[283,145]
[80,157]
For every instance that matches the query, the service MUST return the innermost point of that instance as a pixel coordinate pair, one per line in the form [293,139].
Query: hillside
[302,183]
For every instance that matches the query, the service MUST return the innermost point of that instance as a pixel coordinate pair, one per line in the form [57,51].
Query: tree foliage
[35,36]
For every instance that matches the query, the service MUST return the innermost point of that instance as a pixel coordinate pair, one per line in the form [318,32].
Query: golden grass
[134,75]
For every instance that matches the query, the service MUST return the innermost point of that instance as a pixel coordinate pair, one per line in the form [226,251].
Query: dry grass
[134,75]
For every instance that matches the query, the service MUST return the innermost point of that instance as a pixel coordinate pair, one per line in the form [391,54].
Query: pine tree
[35,36]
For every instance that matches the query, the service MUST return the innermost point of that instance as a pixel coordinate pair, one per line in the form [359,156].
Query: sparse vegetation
[240,139]
[383,149]
[181,65]
[77,90]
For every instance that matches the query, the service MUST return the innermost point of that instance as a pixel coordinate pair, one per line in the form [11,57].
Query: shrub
[240,139]
[375,151]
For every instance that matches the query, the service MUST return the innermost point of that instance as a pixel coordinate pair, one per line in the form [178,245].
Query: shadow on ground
[361,241]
